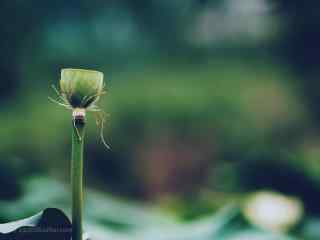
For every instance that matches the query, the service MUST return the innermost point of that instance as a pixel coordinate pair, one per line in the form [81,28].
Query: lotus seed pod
[81,87]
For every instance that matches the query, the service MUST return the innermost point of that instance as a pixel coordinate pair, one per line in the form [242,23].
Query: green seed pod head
[81,87]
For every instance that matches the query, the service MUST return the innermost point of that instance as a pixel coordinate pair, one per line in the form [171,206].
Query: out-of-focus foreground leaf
[50,223]
[107,217]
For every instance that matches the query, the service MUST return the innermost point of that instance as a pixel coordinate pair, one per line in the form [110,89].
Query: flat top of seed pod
[80,69]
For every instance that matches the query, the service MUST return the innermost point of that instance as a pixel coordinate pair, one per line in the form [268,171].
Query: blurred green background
[214,116]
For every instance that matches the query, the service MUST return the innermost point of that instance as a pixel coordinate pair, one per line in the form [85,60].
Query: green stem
[77,177]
